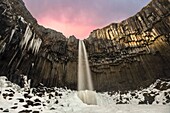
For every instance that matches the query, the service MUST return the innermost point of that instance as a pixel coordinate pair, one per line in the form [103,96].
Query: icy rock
[14,107]
[6,110]
[37,100]
[26,106]
[35,112]
[20,99]
[37,104]
[26,95]
[10,95]
[52,108]
[29,102]
[25,111]
[56,102]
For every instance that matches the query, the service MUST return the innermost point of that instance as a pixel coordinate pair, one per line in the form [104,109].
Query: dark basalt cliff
[26,48]
[126,55]
[134,52]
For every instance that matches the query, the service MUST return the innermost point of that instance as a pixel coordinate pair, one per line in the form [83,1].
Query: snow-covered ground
[13,99]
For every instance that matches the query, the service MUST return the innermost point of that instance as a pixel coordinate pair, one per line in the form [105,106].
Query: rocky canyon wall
[26,48]
[126,55]
[133,53]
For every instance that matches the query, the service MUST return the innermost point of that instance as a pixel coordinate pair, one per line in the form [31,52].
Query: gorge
[122,56]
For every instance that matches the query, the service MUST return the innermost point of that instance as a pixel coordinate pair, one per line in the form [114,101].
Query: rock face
[26,48]
[125,55]
[134,52]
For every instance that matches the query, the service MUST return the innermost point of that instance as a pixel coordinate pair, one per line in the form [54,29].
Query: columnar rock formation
[26,48]
[125,55]
[134,52]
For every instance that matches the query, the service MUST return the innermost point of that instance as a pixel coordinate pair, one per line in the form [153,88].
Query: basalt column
[133,53]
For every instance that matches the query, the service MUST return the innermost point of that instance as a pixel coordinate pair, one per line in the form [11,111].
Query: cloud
[80,17]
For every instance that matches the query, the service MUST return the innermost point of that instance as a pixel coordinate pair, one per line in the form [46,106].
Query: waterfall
[84,75]
[85,84]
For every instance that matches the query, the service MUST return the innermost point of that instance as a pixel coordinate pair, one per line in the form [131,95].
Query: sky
[80,17]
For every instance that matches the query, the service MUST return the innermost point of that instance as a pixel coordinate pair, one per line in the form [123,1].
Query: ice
[35,44]
[12,33]
[88,97]
[22,19]
[2,48]
[26,38]
[31,43]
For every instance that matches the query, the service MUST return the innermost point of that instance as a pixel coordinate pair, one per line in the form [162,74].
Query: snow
[59,100]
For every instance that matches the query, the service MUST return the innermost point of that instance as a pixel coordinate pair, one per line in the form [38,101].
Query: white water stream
[85,84]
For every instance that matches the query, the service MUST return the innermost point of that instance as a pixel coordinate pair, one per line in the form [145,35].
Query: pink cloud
[81,31]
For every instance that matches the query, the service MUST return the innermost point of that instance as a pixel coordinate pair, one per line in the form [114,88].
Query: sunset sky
[80,17]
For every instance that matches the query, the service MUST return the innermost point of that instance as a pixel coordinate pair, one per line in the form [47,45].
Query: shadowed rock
[25,111]
[6,110]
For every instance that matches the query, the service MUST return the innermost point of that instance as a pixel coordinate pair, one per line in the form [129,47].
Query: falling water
[84,75]
[85,85]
